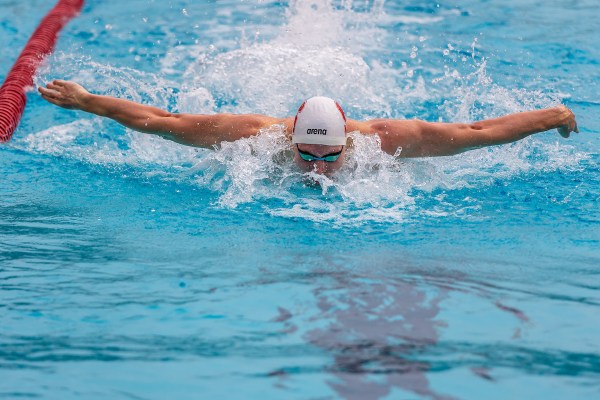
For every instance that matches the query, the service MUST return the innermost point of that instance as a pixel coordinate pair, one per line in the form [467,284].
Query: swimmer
[319,130]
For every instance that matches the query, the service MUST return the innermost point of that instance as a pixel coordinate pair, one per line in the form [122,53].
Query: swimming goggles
[327,158]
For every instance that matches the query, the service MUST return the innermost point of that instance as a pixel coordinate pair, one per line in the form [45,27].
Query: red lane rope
[20,77]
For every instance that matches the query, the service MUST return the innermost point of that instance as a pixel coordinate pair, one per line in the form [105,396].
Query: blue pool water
[132,267]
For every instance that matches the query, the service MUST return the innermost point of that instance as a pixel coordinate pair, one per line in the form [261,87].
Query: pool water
[132,267]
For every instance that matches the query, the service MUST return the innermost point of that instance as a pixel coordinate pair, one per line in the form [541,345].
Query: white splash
[314,54]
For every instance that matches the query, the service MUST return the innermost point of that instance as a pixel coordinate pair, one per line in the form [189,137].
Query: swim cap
[320,120]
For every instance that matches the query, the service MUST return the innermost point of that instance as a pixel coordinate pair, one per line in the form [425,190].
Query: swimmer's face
[319,150]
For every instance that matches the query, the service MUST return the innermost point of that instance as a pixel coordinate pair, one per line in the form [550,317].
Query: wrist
[84,100]
[562,115]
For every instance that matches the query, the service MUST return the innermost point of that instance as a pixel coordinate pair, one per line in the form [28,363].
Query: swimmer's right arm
[189,129]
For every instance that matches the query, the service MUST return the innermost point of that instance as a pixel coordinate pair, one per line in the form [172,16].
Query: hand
[568,123]
[65,94]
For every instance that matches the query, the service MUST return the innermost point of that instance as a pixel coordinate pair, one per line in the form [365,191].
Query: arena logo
[316,131]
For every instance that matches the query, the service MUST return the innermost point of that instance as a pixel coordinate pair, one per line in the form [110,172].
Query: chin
[310,182]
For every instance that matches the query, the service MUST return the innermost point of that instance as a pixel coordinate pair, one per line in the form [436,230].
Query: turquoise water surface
[133,267]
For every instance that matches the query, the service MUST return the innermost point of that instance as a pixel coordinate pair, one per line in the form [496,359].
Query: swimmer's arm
[424,139]
[189,129]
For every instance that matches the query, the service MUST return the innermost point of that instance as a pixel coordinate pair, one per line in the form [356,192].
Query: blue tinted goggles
[327,158]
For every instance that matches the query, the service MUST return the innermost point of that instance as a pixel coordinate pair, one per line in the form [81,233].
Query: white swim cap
[320,120]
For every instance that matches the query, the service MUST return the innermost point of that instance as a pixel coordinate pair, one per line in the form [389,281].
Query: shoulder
[264,122]
[393,133]
[243,125]
[207,130]
[256,122]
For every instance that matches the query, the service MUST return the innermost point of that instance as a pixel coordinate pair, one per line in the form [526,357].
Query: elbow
[475,126]
[158,123]
[476,135]
[463,137]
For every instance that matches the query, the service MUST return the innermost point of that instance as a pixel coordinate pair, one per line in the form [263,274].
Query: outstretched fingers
[53,97]
[53,86]
[50,99]
[573,123]
[49,92]
[564,131]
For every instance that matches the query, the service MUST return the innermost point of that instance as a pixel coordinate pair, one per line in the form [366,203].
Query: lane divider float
[20,77]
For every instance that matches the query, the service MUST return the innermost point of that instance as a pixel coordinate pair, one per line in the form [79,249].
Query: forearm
[510,128]
[128,113]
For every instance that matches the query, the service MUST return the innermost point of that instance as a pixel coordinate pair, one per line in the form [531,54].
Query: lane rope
[20,77]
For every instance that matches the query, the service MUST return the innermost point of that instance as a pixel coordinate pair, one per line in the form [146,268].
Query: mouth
[310,181]
[316,180]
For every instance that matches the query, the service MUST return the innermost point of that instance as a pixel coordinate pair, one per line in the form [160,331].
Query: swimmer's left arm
[424,139]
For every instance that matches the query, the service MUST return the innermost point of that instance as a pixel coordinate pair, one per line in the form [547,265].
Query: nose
[320,167]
